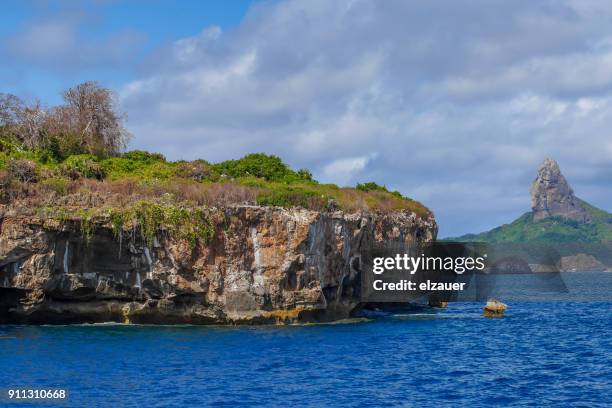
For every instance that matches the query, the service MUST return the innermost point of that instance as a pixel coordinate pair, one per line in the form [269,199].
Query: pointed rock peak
[549,167]
[551,195]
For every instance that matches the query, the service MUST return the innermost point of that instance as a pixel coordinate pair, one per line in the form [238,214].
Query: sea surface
[553,348]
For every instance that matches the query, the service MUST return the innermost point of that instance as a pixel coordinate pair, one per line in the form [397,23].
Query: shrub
[8,149]
[138,164]
[23,170]
[58,147]
[3,160]
[268,167]
[372,186]
[197,170]
[304,174]
[82,166]
[56,184]
[143,157]
[8,144]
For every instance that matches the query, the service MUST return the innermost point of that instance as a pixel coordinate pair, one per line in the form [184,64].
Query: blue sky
[144,25]
[452,103]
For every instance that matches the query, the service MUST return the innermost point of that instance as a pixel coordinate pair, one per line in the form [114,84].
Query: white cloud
[454,114]
[584,72]
[342,171]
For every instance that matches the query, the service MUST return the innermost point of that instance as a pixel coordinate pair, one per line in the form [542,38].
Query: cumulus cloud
[451,103]
[343,170]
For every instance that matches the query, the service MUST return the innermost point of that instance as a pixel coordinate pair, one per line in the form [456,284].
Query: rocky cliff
[551,196]
[260,265]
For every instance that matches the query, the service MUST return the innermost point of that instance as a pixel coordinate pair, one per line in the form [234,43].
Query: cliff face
[552,196]
[262,265]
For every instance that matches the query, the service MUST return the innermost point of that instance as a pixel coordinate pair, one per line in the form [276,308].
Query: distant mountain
[557,215]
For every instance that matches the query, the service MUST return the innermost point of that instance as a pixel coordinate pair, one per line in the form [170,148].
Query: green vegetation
[30,173]
[145,193]
[82,166]
[145,217]
[371,186]
[181,222]
[550,230]
[66,163]
[260,165]
[142,165]
[547,240]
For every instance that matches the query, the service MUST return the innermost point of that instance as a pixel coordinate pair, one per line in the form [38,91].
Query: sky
[454,104]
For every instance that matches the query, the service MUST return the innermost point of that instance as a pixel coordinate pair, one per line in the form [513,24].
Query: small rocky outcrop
[261,265]
[580,263]
[511,265]
[551,196]
[544,268]
[494,308]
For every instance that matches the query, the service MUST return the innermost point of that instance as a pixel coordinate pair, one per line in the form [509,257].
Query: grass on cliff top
[48,178]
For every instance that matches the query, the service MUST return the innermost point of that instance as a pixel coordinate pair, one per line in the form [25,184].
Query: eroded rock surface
[551,195]
[262,265]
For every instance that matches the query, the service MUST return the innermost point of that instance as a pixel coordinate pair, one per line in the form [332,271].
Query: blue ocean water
[543,353]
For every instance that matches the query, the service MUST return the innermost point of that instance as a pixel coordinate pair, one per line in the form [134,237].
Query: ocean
[553,348]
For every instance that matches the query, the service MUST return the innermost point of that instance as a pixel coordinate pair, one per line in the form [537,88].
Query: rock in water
[551,196]
[494,308]
[442,304]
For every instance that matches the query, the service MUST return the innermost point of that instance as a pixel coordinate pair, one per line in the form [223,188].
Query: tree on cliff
[91,112]
[23,122]
[88,122]
[9,106]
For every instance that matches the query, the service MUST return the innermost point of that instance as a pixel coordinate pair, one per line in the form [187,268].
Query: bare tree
[31,120]
[25,122]
[89,119]
[9,106]
[91,112]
